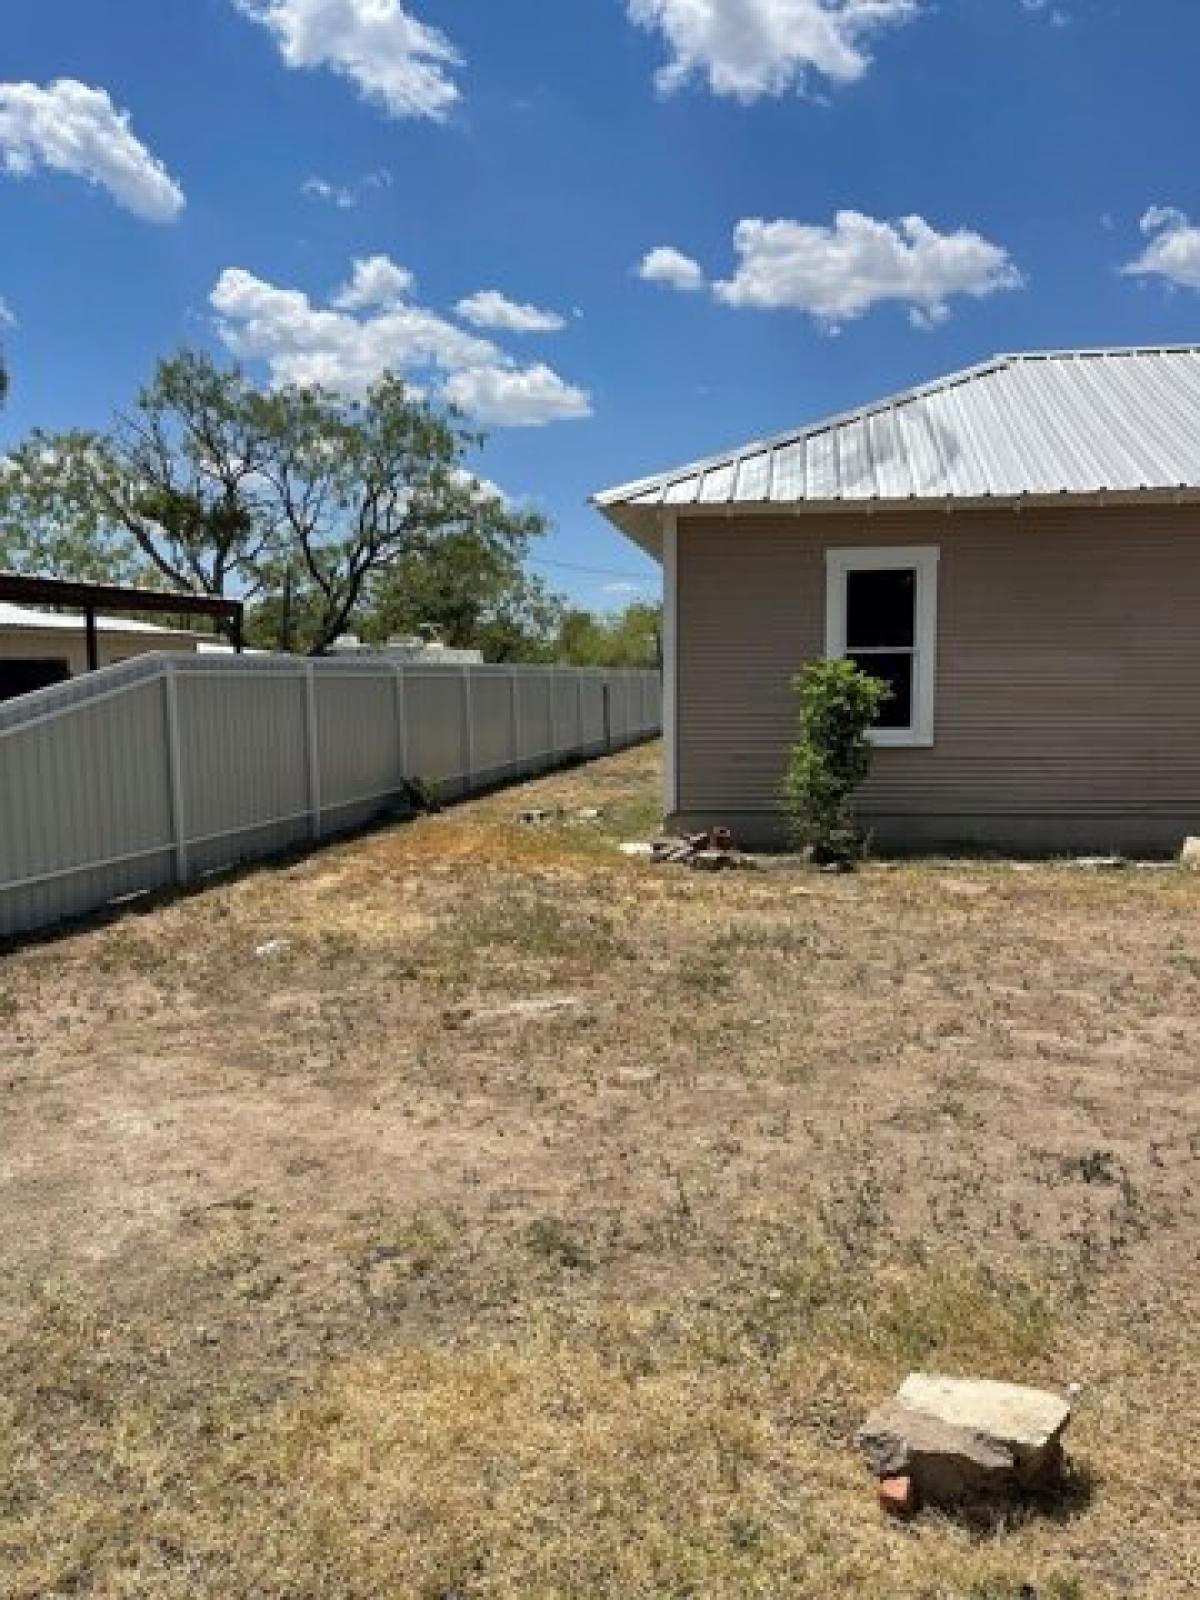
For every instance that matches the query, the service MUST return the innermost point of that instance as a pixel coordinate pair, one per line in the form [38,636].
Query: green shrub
[838,703]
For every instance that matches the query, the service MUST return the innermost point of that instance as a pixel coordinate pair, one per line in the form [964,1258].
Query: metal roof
[57,622]
[1037,425]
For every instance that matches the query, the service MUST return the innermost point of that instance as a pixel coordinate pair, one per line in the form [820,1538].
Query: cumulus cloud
[346,195]
[369,327]
[516,397]
[7,316]
[1173,252]
[669,266]
[71,127]
[394,60]
[375,283]
[751,48]
[491,309]
[839,272]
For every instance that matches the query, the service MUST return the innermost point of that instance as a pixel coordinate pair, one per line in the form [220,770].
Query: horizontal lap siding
[1068,660]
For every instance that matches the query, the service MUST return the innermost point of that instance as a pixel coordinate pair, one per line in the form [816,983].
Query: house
[1014,549]
[38,647]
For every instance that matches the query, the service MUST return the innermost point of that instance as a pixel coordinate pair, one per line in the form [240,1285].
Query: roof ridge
[1088,353]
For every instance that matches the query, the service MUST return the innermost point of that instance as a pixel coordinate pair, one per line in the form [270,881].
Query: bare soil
[466,1211]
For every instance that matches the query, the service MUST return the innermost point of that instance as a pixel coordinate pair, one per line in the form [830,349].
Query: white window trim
[923,558]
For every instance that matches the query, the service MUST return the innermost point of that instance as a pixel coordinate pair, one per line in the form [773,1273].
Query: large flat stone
[963,1439]
[1025,1420]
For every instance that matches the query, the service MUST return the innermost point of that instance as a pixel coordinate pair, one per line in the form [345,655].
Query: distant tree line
[326,514]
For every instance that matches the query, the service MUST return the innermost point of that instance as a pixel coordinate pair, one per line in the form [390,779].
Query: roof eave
[643,522]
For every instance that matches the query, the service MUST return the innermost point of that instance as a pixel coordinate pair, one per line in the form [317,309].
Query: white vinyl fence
[170,766]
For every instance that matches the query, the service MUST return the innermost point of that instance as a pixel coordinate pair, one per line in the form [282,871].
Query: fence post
[581,742]
[314,748]
[553,716]
[175,773]
[515,722]
[402,725]
[469,723]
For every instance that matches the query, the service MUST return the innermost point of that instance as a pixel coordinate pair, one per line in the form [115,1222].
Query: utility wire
[600,572]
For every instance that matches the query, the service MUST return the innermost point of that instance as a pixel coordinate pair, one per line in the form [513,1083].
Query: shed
[38,647]
[1014,549]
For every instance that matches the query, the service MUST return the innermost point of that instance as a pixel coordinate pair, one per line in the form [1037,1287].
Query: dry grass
[325,1275]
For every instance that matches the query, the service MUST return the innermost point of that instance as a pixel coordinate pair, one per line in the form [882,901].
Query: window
[881,613]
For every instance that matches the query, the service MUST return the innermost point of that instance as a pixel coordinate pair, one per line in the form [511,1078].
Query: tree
[831,758]
[296,497]
[471,590]
[628,638]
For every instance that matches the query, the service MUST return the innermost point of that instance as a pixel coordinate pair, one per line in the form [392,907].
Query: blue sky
[699,205]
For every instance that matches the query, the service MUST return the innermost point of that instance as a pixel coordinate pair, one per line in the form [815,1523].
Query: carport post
[93,643]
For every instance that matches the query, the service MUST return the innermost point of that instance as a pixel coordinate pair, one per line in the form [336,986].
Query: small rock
[273,947]
[1190,854]
[898,1496]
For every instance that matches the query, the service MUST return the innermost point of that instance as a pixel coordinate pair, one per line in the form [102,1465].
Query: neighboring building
[1015,549]
[427,652]
[38,648]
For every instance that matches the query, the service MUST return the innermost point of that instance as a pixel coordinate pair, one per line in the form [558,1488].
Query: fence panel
[167,767]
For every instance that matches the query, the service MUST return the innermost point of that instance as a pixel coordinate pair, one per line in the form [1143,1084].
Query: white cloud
[71,127]
[376,283]
[750,48]
[7,316]
[516,397]
[369,327]
[664,264]
[838,273]
[490,309]
[395,61]
[1174,249]
[346,195]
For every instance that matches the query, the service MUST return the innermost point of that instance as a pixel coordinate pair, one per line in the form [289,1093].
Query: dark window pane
[881,608]
[897,672]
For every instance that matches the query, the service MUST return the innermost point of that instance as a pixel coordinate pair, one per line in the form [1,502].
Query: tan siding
[1068,676]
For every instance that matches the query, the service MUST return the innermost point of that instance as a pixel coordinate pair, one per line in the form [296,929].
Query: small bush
[838,703]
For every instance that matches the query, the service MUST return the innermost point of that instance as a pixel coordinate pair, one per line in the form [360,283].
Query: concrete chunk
[1024,1419]
[963,1439]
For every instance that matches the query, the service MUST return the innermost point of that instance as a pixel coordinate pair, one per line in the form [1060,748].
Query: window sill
[899,739]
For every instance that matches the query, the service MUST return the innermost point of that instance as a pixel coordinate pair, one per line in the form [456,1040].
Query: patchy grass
[313,1287]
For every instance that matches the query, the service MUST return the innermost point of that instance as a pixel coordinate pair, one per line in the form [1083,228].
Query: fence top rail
[139,670]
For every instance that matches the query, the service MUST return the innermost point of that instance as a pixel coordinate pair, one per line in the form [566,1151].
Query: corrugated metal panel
[169,766]
[1071,422]
[1068,662]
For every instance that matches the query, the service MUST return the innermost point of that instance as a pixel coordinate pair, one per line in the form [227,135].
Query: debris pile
[711,851]
[946,1441]
[539,816]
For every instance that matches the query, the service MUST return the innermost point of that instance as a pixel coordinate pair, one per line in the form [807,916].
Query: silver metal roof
[1030,426]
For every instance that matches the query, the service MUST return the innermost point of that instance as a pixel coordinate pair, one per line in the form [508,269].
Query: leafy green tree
[831,758]
[294,498]
[628,638]
[471,588]
[173,491]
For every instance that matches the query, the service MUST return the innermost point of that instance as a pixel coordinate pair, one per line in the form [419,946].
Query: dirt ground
[331,1268]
